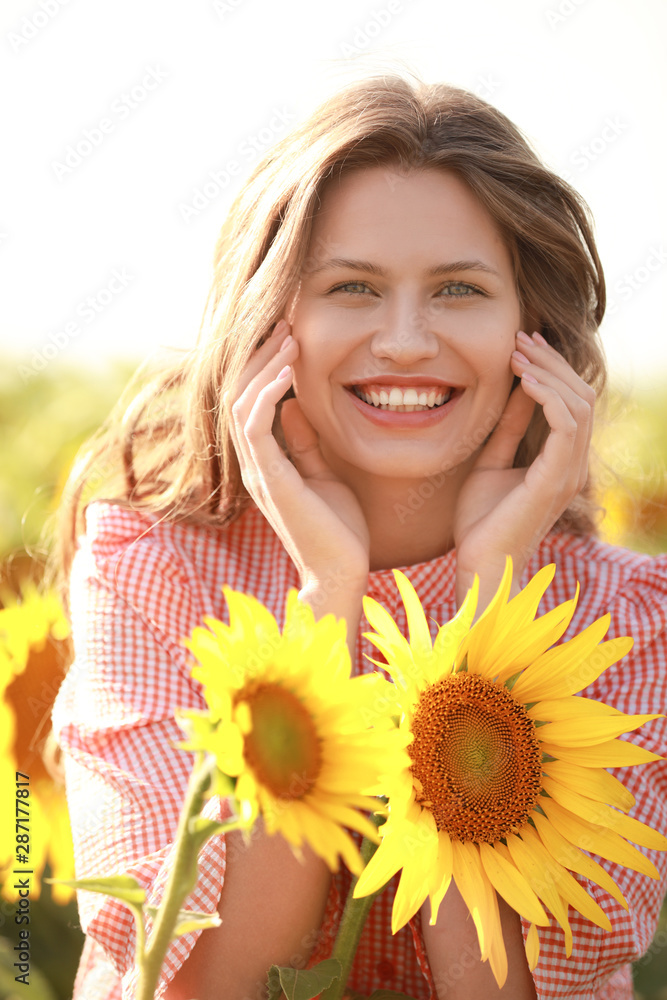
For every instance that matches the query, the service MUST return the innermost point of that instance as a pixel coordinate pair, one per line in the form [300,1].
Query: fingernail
[523,337]
[286,342]
[528,377]
[284,372]
[520,357]
[279,328]
[540,339]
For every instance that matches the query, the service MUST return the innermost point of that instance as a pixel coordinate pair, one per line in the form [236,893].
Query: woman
[426,295]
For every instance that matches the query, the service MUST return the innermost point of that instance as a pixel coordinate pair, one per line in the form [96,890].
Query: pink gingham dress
[139,585]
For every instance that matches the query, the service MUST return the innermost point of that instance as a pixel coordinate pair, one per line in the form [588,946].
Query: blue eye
[459,290]
[353,287]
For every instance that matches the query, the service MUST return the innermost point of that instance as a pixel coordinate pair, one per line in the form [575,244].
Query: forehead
[423,213]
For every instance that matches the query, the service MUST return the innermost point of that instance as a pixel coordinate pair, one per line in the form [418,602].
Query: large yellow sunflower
[289,724]
[507,776]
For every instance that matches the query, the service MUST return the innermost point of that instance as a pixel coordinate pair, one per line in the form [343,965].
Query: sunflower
[507,778]
[34,646]
[289,724]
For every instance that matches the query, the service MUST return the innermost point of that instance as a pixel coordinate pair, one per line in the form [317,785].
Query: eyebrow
[433,272]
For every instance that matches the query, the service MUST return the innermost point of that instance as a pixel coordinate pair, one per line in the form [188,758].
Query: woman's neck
[409,521]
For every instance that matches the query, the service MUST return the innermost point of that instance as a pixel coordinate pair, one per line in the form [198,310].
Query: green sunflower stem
[351,926]
[182,879]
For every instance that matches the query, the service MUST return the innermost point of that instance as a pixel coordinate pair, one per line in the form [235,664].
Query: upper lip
[403,381]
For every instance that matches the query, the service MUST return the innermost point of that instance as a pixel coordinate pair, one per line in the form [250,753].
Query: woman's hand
[315,515]
[505,511]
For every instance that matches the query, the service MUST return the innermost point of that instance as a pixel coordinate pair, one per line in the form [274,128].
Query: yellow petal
[384,864]
[572,858]
[597,839]
[604,815]
[570,708]
[532,947]
[522,647]
[594,784]
[420,636]
[574,734]
[483,634]
[540,883]
[385,626]
[400,664]
[612,753]
[468,875]
[442,874]
[497,952]
[566,885]
[572,666]
[414,883]
[451,635]
[512,886]
[516,633]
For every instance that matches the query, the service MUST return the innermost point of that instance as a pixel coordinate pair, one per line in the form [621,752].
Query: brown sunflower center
[283,748]
[476,758]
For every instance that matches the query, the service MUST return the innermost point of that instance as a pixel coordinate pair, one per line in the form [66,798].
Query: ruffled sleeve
[134,595]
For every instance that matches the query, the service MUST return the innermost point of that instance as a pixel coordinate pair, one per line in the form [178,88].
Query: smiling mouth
[403,400]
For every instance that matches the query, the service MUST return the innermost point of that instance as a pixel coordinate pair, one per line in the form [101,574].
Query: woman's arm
[454,954]
[271,908]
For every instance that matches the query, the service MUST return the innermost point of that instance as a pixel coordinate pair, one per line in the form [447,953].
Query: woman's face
[405,317]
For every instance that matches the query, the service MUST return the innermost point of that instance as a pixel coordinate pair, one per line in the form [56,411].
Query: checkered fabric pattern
[139,586]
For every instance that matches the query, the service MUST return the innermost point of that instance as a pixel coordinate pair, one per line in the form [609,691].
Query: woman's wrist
[490,573]
[338,596]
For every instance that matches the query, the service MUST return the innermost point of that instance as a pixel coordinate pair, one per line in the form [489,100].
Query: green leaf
[188,920]
[302,984]
[118,886]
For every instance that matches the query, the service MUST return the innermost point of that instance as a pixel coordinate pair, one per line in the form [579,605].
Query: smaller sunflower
[507,780]
[288,722]
[34,647]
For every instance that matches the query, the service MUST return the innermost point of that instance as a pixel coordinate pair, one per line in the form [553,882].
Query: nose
[404,335]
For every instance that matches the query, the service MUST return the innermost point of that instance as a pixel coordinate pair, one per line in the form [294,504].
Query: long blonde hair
[168,450]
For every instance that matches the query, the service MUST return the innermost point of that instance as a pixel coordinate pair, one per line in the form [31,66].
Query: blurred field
[42,424]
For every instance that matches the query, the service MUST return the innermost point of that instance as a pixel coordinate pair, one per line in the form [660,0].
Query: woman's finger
[501,448]
[302,442]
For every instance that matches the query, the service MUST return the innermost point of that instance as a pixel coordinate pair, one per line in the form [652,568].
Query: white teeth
[403,400]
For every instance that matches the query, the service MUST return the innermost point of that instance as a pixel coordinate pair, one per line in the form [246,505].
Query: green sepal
[302,984]
[188,920]
[202,829]
[122,887]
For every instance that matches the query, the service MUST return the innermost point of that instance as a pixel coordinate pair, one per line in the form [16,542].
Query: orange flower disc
[475,757]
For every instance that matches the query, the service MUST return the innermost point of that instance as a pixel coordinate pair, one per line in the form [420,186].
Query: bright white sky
[584,79]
